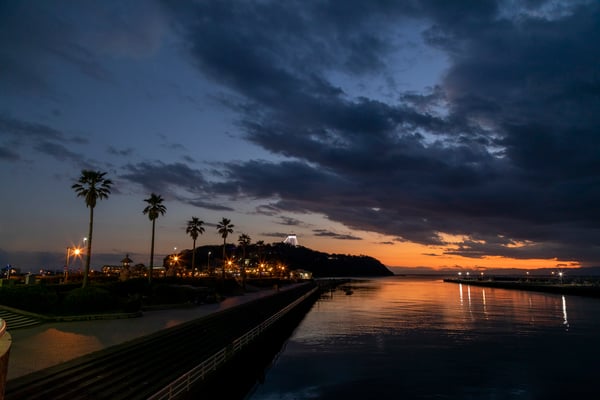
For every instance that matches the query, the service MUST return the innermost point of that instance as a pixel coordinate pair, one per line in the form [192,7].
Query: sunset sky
[422,133]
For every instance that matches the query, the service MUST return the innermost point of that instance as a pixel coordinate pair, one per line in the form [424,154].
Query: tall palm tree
[225,227]
[93,186]
[194,228]
[260,244]
[244,241]
[153,210]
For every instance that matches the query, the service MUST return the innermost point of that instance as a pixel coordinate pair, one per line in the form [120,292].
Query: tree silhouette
[194,228]
[224,227]
[244,241]
[153,210]
[93,186]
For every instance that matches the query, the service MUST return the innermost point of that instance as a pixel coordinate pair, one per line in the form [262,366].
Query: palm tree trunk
[151,254]
[244,267]
[224,261]
[88,257]
[194,257]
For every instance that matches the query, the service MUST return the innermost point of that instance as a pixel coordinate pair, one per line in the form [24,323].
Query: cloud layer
[499,149]
[504,151]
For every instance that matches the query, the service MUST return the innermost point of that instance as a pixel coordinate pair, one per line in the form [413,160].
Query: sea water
[422,338]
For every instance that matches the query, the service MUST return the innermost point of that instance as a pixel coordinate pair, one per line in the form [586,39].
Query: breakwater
[142,367]
[589,289]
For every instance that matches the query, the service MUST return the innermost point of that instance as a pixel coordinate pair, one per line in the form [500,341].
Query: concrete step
[15,321]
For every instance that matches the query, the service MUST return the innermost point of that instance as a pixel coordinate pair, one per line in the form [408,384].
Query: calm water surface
[403,338]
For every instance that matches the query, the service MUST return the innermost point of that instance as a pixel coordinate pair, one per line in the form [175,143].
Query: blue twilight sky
[423,133]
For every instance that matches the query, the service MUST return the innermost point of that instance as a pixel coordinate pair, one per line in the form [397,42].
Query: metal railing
[184,382]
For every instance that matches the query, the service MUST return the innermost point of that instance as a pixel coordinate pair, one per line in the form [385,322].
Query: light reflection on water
[423,338]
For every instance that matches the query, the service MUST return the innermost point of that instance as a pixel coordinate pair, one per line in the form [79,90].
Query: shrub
[174,294]
[90,300]
[34,298]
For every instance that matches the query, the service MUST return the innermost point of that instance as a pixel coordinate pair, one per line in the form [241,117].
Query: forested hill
[323,264]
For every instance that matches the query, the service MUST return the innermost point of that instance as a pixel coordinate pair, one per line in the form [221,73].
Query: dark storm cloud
[120,152]
[207,205]
[29,50]
[334,235]
[59,152]
[280,235]
[16,130]
[165,179]
[505,149]
[18,134]
[283,220]
[9,155]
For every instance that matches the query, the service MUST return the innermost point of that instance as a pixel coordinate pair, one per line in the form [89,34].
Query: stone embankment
[141,368]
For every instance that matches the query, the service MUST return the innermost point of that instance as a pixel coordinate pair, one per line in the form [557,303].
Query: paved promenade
[53,343]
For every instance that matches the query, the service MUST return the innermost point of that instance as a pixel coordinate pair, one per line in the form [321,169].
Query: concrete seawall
[249,365]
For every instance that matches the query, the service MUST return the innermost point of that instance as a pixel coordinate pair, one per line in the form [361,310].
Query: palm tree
[93,186]
[153,210]
[260,244]
[194,228]
[225,227]
[244,241]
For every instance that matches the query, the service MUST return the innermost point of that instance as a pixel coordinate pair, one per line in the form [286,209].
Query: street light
[76,251]
[208,262]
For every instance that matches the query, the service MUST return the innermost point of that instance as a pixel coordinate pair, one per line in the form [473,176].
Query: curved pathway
[39,347]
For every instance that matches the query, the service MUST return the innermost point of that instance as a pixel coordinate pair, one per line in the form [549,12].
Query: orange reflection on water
[426,303]
[524,309]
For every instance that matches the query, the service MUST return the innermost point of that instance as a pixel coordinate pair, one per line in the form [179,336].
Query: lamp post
[208,262]
[67,265]
[76,252]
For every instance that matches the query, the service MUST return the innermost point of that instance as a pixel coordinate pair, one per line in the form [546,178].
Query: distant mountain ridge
[324,264]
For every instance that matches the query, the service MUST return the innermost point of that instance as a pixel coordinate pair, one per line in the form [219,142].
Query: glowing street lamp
[76,252]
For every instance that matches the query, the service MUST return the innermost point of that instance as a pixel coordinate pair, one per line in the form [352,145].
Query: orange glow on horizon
[409,254]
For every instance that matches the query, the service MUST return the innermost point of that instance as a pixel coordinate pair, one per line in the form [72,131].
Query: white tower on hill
[291,239]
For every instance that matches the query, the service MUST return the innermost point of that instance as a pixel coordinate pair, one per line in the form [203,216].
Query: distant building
[291,240]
